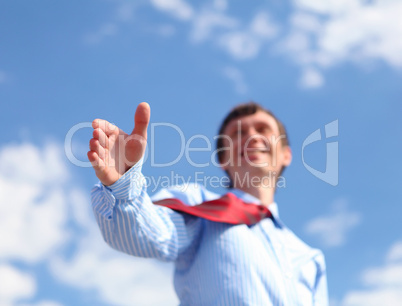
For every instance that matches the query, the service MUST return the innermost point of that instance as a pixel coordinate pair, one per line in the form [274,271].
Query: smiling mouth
[255,150]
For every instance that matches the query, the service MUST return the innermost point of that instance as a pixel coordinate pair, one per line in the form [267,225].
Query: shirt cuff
[129,186]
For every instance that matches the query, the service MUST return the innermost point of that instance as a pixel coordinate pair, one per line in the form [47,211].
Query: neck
[262,192]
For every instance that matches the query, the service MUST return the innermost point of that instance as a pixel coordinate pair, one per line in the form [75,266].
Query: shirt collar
[248,198]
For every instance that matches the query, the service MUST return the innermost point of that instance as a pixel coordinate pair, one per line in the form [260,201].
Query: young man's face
[253,146]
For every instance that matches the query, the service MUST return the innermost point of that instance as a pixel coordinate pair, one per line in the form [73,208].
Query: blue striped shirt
[215,263]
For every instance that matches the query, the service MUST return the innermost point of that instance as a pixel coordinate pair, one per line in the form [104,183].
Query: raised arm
[127,218]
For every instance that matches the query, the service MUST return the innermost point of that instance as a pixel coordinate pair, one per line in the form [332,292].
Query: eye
[263,129]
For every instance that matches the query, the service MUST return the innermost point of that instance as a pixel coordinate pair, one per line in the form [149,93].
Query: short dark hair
[246,109]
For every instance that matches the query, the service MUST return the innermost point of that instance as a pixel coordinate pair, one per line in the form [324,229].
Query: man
[217,262]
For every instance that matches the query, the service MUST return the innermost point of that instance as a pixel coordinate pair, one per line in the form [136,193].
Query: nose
[249,131]
[251,136]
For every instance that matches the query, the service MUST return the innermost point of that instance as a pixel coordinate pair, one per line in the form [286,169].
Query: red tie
[227,209]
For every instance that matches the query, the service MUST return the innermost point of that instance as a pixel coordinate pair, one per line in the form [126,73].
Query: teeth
[252,150]
[258,149]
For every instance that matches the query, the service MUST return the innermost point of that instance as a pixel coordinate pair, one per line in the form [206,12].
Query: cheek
[229,146]
[230,153]
[225,152]
[268,140]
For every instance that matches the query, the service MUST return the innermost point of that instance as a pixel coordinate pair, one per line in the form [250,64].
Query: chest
[258,254]
[261,246]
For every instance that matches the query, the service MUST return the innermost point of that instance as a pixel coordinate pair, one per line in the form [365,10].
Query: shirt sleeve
[131,223]
[321,289]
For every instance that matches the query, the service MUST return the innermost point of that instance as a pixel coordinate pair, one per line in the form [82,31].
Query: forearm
[131,223]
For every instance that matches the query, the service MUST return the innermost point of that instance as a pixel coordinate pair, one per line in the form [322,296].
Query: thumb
[141,120]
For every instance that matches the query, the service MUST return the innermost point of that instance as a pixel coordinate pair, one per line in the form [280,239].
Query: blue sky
[312,62]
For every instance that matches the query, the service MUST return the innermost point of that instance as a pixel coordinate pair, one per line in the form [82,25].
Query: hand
[112,151]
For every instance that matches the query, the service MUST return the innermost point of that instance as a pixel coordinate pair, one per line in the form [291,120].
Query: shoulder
[190,194]
[304,251]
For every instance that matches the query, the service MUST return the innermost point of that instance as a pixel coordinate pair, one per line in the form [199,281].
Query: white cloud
[125,12]
[395,253]
[213,23]
[47,303]
[262,26]
[220,5]
[177,8]
[384,284]
[311,78]
[117,278]
[105,30]
[322,33]
[367,32]
[239,40]
[15,285]
[327,33]
[34,229]
[236,76]
[240,45]
[296,45]
[389,297]
[34,210]
[209,21]
[26,163]
[390,275]
[247,43]
[333,228]
[80,208]
[43,216]
[305,22]
[327,6]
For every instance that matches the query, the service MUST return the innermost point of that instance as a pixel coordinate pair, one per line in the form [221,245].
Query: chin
[262,172]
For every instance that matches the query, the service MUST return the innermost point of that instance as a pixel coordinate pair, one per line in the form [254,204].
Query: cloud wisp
[236,76]
[124,13]
[332,229]
[316,36]
[383,285]
[320,35]
[179,9]
[324,34]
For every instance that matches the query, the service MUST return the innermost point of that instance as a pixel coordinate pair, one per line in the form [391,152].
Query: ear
[287,156]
